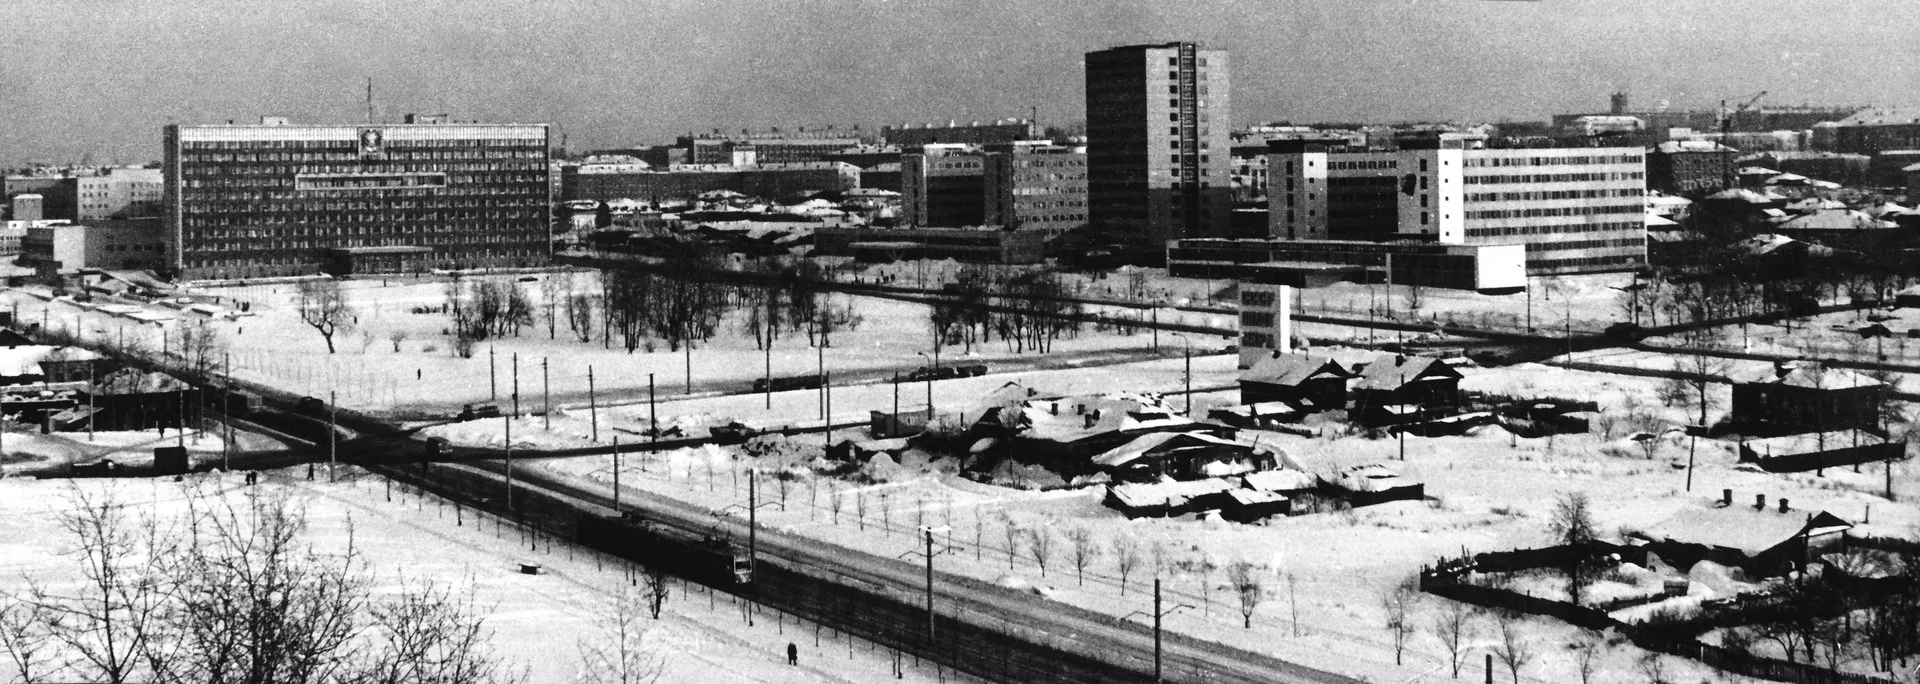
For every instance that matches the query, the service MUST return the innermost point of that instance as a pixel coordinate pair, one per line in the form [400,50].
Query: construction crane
[1726,128]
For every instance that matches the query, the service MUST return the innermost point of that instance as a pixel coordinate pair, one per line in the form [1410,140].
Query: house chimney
[1783,504]
[1759,502]
[1726,497]
[1055,410]
[1087,424]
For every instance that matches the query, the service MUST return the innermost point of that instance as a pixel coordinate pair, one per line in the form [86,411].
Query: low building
[1308,383]
[974,133]
[1193,455]
[1808,397]
[979,244]
[1887,168]
[67,249]
[1399,380]
[1837,167]
[606,183]
[1489,269]
[1762,542]
[1870,131]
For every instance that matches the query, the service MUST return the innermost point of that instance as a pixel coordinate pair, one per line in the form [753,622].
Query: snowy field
[538,621]
[272,346]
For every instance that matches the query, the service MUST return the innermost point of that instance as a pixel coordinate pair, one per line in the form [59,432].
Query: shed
[1764,542]
[1432,383]
[1165,499]
[1181,456]
[1808,397]
[1249,505]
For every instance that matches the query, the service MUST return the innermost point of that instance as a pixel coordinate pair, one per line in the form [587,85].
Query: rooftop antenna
[369,100]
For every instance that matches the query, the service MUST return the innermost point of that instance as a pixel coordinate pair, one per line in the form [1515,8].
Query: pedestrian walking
[793,654]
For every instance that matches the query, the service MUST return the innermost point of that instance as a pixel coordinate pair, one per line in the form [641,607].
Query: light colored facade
[1159,127]
[68,248]
[1037,186]
[277,199]
[1577,210]
[120,193]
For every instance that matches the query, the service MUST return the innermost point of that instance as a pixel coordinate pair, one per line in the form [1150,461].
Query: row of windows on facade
[1175,144]
[247,203]
[391,144]
[271,169]
[1426,218]
[1558,177]
[1034,206]
[1554,229]
[155,247]
[256,246]
[1175,90]
[336,217]
[1050,190]
[1633,242]
[268,231]
[1534,195]
[1360,165]
[1038,163]
[1541,212]
[1577,160]
[1599,261]
[294,261]
[212,158]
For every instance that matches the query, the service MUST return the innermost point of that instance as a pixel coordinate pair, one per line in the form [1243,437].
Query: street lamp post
[1187,354]
[928,531]
[1158,614]
[929,393]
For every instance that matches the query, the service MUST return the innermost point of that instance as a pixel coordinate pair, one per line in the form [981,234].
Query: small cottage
[1309,383]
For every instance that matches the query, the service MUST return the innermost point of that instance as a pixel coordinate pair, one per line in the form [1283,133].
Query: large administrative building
[1577,210]
[277,199]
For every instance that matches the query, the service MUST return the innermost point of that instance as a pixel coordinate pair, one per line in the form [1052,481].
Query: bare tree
[1040,545]
[396,337]
[200,348]
[1586,657]
[324,307]
[1126,557]
[121,599]
[24,636]
[1572,525]
[658,586]
[1082,550]
[1249,582]
[1014,534]
[624,651]
[430,635]
[255,604]
[1514,649]
[1654,666]
[1453,626]
[1399,602]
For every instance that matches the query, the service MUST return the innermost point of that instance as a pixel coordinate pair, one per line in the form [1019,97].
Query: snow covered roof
[1282,480]
[1372,477]
[26,359]
[1391,372]
[1248,497]
[1142,445]
[1121,411]
[1883,116]
[1142,495]
[1741,528]
[1293,369]
[1658,221]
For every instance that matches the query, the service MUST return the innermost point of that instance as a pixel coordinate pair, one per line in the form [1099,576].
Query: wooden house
[1427,382]
[1763,542]
[1309,383]
[1807,397]
[1182,456]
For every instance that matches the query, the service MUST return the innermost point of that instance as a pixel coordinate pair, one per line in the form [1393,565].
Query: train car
[233,402]
[789,383]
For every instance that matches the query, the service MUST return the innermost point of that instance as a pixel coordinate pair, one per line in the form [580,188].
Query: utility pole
[180,397]
[820,373]
[593,406]
[616,474]
[546,395]
[1158,614]
[827,385]
[93,387]
[653,417]
[333,448]
[493,376]
[509,423]
[768,390]
[516,383]
[689,349]
[893,423]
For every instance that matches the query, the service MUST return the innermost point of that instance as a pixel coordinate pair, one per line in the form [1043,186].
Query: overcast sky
[100,77]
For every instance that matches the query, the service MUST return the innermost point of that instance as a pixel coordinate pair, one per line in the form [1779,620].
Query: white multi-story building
[1577,210]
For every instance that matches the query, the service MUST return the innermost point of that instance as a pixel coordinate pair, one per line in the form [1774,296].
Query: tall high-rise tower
[1158,128]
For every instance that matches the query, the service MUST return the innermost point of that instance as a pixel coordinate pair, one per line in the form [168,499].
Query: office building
[765,147]
[278,199]
[994,132]
[119,193]
[1029,185]
[1159,130]
[1689,167]
[609,182]
[113,244]
[972,244]
[28,207]
[943,186]
[1036,186]
[1578,210]
[1836,167]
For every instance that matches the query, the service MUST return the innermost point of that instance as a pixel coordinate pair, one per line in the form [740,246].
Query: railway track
[982,630]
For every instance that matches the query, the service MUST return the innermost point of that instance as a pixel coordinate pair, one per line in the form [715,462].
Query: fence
[1830,458]
[1443,580]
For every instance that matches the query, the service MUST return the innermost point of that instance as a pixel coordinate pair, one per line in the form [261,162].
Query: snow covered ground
[538,620]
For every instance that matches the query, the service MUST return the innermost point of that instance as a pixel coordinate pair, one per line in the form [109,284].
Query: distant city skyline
[100,77]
